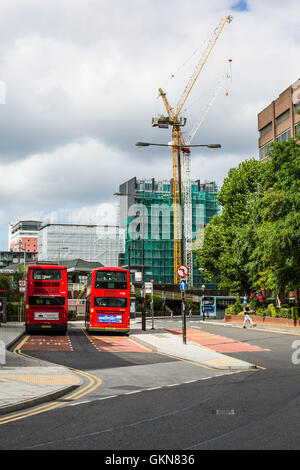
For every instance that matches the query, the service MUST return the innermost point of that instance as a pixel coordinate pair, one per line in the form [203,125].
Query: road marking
[94,382]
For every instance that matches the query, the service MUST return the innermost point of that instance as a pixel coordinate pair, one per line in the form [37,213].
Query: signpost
[182,272]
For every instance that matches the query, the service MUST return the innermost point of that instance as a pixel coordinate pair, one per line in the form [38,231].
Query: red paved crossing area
[116,344]
[47,343]
[217,343]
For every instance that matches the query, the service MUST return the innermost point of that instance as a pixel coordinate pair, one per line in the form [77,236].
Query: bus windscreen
[111,280]
[47,274]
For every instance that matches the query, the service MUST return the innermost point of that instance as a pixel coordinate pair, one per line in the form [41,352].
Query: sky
[81,79]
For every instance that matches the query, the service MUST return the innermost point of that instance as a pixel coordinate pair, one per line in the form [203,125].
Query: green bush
[254,303]
[262,312]
[235,308]
[295,312]
[12,311]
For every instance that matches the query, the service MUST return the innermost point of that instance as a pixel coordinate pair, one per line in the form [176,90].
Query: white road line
[106,398]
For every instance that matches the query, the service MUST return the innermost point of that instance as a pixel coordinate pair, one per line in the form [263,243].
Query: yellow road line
[90,387]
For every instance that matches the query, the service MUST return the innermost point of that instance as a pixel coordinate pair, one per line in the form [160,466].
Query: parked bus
[214,306]
[108,300]
[46,298]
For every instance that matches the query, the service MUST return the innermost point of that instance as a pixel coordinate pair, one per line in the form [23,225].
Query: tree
[255,242]
[218,254]
[275,258]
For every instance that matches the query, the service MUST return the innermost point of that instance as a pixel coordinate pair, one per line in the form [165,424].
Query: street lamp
[203,313]
[146,144]
[178,147]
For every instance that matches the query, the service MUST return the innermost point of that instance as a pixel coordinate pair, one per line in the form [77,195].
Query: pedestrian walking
[247,316]
[190,312]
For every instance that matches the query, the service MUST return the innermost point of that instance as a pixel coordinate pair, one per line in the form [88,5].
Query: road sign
[148,287]
[22,283]
[182,285]
[138,276]
[182,271]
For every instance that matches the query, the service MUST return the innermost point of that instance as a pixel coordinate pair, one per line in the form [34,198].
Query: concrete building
[16,257]
[279,120]
[93,243]
[23,236]
[147,216]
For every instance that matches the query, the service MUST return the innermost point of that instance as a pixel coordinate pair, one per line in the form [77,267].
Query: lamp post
[178,147]
[143,303]
[203,313]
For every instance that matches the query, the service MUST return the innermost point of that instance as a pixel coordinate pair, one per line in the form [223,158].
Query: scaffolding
[94,243]
[147,216]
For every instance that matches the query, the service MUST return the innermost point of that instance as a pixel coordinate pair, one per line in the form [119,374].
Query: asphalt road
[149,401]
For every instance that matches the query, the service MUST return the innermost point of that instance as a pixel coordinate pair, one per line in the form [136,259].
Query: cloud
[81,81]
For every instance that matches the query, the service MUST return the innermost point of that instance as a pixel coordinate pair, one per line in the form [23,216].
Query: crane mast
[186,184]
[177,122]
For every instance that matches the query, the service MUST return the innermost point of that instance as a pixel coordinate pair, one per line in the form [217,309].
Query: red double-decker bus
[108,300]
[46,298]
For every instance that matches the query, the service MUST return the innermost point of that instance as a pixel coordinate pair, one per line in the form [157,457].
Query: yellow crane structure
[173,119]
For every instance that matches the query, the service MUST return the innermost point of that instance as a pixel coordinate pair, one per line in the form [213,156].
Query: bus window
[110,302]
[111,280]
[224,303]
[208,301]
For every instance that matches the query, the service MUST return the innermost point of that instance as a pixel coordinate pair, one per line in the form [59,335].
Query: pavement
[27,382]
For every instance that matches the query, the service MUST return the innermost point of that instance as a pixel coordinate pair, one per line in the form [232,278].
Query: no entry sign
[182,271]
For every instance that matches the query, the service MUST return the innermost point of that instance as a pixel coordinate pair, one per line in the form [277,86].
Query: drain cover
[224,412]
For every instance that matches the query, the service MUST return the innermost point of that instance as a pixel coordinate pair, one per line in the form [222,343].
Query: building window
[297,128]
[296,107]
[265,151]
[265,129]
[284,136]
[282,117]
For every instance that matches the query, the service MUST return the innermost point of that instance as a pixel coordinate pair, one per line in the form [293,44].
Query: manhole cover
[224,412]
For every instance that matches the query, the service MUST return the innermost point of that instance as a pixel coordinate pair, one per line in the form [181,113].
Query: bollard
[171,313]
[2,352]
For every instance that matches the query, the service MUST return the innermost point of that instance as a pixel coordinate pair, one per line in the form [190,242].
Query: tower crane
[186,183]
[173,119]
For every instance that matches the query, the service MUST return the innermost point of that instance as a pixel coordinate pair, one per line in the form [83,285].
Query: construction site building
[147,216]
[94,243]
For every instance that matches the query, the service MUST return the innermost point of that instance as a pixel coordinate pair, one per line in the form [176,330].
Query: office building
[23,236]
[279,120]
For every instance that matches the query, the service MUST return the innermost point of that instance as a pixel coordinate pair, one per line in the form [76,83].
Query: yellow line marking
[90,387]
[140,345]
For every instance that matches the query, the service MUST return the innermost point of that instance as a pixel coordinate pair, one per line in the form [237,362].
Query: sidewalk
[26,382]
[165,342]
